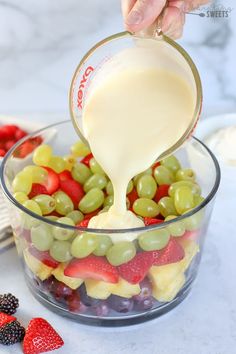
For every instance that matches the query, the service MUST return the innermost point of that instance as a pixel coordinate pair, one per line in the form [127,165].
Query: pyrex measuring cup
[164,53]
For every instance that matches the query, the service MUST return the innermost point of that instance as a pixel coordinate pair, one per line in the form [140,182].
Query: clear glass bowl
[111,303]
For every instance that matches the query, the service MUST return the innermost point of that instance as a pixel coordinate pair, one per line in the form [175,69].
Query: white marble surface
[41,43]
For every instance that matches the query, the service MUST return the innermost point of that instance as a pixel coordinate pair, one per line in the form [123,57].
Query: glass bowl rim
[173,44]
[43,219]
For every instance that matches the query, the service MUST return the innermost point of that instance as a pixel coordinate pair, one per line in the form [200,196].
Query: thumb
[143,14]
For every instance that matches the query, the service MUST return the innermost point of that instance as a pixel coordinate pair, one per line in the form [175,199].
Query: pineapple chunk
[98,289]
[41,270]
[125,289]
[58,273]
[191,248]
[169,293]
[162,276]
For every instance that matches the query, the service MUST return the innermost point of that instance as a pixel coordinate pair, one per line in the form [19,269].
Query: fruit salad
[95,273]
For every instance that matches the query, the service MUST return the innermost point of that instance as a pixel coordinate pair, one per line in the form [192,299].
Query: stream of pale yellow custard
[129,120]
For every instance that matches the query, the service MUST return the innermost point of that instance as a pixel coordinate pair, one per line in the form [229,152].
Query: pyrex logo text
[80,95]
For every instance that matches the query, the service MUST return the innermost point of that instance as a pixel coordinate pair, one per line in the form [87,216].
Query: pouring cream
[131,117]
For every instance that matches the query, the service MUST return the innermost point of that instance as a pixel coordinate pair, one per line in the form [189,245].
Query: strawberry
[83,223]
[19,134]
[132,196]
[93,267]
[172,253]
[86,159]
[73,189]
[92,214]
[36,190]
[52,182]
[64,176]
[44,257]
[162,191]
[135,270]
[4,319]
[25,149]
[189,235]
[9,144]
[41,337]
[156,164]
[151,221]
[2,152]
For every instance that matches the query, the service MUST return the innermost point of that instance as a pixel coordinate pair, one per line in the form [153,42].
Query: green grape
[20,197]
[28,221]
[80,172]
[104,243]
[127,203]
[79,149]
[121,252]
[51,217]
[146,187]
[70,161]
[46,203]
[42,238]
[60,251]
[38,174]
[185,174]
[172,163]
[109,188]
[196,190]
[154,240]
[61,233]
[130,187]
[177,228]
[83,245]
[108,201]
[163,175]
[95,167]
[91,201]
[64,204]
[57,164]
[198,199]
[22,183]
[76,216]
[42,155]
[194,222]
[167,206]
[146,207]
[144,173]
[32,206]
[95,181]
[104,210]
[183,199]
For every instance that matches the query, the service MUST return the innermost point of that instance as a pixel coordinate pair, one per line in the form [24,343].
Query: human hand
[140,14]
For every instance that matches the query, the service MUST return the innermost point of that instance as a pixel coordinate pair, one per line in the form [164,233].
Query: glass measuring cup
[163,53]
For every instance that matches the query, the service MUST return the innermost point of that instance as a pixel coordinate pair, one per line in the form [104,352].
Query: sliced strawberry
[4,319]
[92,214]
[26,234]
[40,337]
[156,164]
[135,270]
[172,253]
[2,152]
[92,267]
[151,221]
[52,182]
[189,235]
[36,190]
[73,189]
[132,196]
[162,191]
[44,257]
[9,144]
[64,176]
[83,223]
[19,134]
[86,159]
